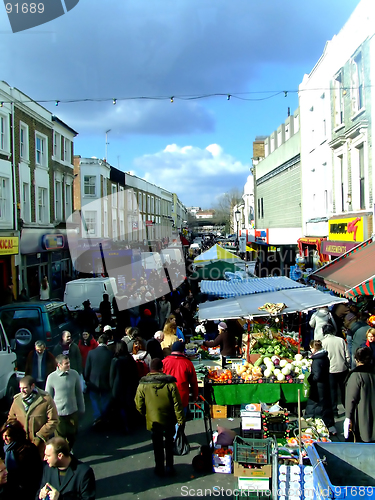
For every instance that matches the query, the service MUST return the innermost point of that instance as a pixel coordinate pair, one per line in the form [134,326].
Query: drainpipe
[15,219]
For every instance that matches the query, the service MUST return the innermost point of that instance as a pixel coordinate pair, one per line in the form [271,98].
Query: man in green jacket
[158,399]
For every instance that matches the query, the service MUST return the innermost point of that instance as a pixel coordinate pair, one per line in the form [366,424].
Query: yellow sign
[9,245]
[350,229]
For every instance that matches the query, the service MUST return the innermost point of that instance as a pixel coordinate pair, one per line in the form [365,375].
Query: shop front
[44,254]
[310,250]
[9,246]
[345,233]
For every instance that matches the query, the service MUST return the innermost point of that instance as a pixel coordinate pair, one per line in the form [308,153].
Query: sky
[200,145]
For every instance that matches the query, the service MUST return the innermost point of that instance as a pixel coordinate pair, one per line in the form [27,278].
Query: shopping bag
[306,385]
[181,445]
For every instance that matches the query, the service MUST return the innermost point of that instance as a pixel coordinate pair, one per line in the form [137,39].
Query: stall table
[237,394]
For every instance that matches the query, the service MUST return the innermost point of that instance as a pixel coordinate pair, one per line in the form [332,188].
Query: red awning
[350,270]
[315,241]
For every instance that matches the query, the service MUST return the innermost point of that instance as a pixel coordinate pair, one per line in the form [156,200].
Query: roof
[216,252]
[350,270]
[296,300]
[235,288]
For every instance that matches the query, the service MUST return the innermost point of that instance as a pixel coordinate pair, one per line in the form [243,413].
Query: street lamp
[237,215]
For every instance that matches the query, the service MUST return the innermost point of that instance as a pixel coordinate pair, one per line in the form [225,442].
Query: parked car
[26,322]
[8,367]
[77,291]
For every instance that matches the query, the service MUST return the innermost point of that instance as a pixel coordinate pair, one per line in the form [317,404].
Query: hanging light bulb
[114,101]
[1,104]
[228,97]
[285,93]
[172,98]
[57,103]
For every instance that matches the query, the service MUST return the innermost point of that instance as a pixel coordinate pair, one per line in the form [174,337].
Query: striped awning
[235,288]
[351,274]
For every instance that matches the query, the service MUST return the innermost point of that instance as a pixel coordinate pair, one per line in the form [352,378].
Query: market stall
[261,381]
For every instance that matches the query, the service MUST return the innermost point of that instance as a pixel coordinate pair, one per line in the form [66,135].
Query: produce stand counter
[244,393]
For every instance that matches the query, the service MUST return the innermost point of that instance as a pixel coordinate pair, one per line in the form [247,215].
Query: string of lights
[243,96]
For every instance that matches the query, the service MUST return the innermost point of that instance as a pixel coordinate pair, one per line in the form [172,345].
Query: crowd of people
[132,362]
[118,369]
[342,370]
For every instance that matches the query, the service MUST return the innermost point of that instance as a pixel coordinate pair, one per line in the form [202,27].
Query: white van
[8,367]
[151,260]
[77,291]
[174,254]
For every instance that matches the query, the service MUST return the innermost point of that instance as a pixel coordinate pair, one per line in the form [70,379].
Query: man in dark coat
[40,363]
[65,477]
[87,318]
[97,377]
[319,403]
[69,348]
[154,345]
[360,398]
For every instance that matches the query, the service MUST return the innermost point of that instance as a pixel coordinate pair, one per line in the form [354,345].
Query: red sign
[149,223]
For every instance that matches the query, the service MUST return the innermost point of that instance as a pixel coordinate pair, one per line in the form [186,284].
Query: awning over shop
[351,274]
[235,288]
[296,300]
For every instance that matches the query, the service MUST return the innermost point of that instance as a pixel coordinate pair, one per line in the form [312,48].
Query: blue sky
[125,49]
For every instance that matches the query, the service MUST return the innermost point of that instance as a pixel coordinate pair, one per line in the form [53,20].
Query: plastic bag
[225,436]
[181,444]
[306,385]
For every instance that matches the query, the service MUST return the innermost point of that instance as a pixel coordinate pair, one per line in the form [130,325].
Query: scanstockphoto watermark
[309,492]
[24,15]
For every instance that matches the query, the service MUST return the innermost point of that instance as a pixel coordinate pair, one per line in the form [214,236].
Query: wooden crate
[218,411]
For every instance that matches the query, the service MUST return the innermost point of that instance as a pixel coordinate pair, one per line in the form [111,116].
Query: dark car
[27,322]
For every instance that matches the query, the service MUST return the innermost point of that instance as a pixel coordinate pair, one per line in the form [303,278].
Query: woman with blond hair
[170,337]
[172,319]
[370,342]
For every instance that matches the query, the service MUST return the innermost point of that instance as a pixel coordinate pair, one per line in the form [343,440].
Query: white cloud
[197,175]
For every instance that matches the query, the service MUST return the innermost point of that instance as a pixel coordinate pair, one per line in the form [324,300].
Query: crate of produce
[241,470]
[195,413]
[252,451]
[343,470]
[219,411]
[222,459]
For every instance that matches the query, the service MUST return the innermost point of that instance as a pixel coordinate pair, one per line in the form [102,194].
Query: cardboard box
[222,465]
[241,471]
[251,423]
[251,407]
[255,484]
[218,411]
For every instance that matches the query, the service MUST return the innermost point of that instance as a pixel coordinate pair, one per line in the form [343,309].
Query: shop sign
[53,241]
[242,244]
[350,229]
[336,247]
[149,223]
[135,226]
[9,245]
[261,236]
[272,249]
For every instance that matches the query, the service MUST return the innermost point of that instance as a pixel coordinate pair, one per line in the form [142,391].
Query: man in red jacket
[180,367]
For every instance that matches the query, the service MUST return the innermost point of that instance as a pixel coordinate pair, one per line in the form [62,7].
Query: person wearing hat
[87,318]
[147,326]
[226,340]
[105,310]
[180,367]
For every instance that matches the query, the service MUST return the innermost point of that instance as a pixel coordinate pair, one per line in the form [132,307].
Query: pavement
[123,464]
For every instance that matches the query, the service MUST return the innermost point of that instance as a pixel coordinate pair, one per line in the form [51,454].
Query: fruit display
[264,369]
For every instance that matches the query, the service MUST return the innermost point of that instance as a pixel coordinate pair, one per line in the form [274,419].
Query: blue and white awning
[235,288]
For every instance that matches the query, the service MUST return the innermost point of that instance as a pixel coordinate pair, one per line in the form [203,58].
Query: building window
[68,200]
[324,129]
[357,83]
[114,195]
[56,145]
[89,185]
[325,201]
[42,205]
[41,150]
[24,142]
[26,201]
[362,191]
[3,199]
[339,100]
[58,200]
[341,174]
[121,199]
[4,134]
[90,222]
[140,202]
[67,150]
[144,205]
